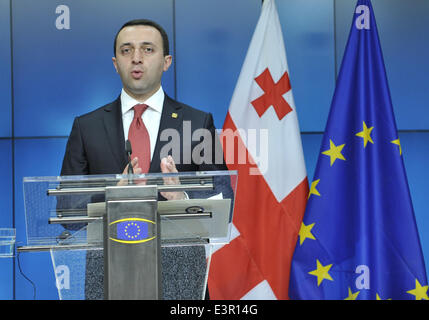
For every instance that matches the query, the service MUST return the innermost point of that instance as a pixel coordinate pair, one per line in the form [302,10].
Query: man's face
[140,60]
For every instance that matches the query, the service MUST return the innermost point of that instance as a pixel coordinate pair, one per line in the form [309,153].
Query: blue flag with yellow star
[359,239]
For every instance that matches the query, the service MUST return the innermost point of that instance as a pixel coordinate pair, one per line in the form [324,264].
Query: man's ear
[115,64]
[167,62]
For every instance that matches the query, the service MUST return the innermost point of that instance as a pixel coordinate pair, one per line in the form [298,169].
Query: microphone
[129,150]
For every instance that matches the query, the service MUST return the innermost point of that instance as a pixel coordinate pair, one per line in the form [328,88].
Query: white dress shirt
[151,117]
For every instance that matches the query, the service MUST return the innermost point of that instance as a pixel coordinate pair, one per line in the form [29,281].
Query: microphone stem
[130,169]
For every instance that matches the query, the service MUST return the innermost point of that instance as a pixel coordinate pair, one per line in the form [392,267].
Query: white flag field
[272,186]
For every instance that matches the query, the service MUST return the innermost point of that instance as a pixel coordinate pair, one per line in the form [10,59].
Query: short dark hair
[145,22]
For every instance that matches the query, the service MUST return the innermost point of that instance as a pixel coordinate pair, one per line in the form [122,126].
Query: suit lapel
[115,132]
[171,118]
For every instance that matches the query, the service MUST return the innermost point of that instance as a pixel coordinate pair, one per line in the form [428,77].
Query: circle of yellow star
[313,189]
[334,152]
[377,297]
[420,291]
[398,143]
[365,134]
[305,232]
[352,296]
[321,272]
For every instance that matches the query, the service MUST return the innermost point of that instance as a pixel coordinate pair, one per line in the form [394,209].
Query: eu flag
[132,230]
[359,239]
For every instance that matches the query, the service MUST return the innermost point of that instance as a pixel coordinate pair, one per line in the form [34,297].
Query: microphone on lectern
[129,150]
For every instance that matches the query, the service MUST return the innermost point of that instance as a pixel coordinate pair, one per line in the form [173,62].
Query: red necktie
[139,138]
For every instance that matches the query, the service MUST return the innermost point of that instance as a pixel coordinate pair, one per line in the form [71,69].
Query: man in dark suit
[97,140]
[96,144]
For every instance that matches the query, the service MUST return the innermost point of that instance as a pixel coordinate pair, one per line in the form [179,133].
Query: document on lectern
[180,219]
[213,225]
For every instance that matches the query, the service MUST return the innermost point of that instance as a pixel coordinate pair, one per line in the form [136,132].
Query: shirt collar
[155,102]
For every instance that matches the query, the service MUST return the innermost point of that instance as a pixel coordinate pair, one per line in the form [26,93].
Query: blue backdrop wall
[56,64]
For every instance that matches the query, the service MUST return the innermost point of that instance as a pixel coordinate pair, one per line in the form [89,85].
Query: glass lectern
[118,237]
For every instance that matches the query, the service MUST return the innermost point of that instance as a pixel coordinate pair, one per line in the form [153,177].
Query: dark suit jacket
[96,144]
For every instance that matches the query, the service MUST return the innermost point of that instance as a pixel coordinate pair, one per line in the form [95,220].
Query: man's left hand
[168,166]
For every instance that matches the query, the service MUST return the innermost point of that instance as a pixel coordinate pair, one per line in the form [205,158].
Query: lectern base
[183,273]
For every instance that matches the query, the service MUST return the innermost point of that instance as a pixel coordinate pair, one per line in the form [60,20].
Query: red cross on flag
[272,184]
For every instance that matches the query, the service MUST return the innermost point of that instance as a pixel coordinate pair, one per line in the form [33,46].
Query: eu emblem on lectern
[132,230]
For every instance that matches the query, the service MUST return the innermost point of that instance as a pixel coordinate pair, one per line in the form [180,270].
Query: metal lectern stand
[122,216]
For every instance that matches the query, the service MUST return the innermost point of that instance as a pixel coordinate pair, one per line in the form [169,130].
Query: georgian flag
[272,185]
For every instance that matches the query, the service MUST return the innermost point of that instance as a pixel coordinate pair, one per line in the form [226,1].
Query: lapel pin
[174,115]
